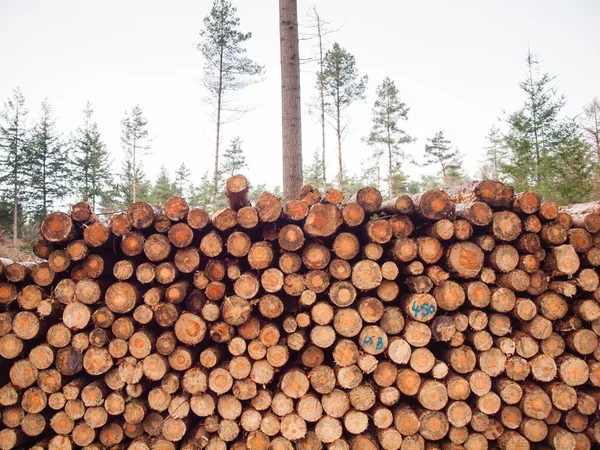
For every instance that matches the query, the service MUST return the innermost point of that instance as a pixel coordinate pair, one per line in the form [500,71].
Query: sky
[456,64]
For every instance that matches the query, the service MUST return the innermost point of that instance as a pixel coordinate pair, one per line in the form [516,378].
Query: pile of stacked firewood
[451,319]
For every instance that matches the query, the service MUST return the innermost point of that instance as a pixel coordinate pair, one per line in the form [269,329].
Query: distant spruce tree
[201,195]
[540,137]
[182,180]
[313,172]
[342,86]
[226,68]
[91,171]
[573,174]
[386,136]
[13,139]
[163,188]
[233,159]
[48,175]
[439,151]
[495,152]
[135,140]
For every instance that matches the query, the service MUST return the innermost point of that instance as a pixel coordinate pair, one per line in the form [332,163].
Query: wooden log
[433,205]
[57,228]
[476,213]
[494,193]
[464,259]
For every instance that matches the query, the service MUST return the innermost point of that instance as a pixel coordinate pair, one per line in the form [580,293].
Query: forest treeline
[538,146]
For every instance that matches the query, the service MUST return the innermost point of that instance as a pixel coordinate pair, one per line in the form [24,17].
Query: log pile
[453,319]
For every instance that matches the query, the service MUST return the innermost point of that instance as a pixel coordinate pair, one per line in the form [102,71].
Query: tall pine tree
[591,127]
[233,158]
[48,176]
[163,188]
[494,154]
[135,140]
[439,151]
[573,175]
[91,171]
[534,136]
[342,86]
[13,137]
[182,180]
[226,68]
[313,172]
[386,135]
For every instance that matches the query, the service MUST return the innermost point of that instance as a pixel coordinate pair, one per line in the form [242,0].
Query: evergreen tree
[572,174]
[439,151]
[119,194]
[226,68]
[91,171]
[256,191]
[182,180]
[494,154]
[233,158]
[163,188]
[48,176]
[318,31]
[386,136]
[534,137]
[135,141]
[313,172]
[342,86]
[13,137]
[201,195]
[591,128]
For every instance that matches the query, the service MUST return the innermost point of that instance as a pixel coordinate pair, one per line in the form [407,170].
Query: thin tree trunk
[290,99]
[133,188]
[44,188]
[218,137]
[339,139]
[322,98]
[16,182]
[390,176]
[16,201]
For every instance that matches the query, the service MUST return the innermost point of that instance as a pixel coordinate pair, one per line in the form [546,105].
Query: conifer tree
[591,128]
[386,136]
[572,173]
[439,151]
[182,180]
[201,195]
[226,68]
[313,172]
[494,154]
[342,86]
[534,136]
[318,30]
[135,140]
[163,188]
[233,158]
[48,177]
[13,136]
[91,170]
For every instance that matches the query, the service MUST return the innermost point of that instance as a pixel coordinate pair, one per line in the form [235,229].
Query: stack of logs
[454,319]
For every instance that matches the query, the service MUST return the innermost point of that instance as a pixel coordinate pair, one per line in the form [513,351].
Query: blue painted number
[425,309]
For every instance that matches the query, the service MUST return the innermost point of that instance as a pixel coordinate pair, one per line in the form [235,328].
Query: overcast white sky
[456,65]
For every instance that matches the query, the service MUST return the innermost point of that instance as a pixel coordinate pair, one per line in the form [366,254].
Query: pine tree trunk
[16,196]
[322,99]
[133,186]
[290,99]
[218,137]
[390,175]
[339,139]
